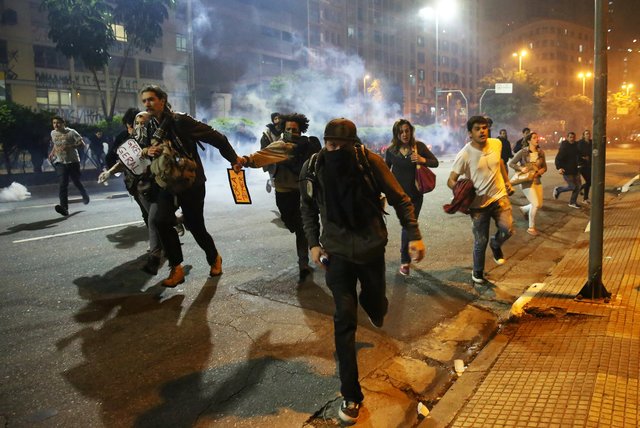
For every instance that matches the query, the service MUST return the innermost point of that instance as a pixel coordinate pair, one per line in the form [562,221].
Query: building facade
[38,76]
[557,52]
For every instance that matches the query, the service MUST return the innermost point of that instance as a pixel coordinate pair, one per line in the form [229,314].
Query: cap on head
[341,129]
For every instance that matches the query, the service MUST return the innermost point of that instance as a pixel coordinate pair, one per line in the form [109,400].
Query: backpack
[174,169]
[363,166]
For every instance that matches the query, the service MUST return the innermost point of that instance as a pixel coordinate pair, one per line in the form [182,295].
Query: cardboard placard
[238,184]
[130,154]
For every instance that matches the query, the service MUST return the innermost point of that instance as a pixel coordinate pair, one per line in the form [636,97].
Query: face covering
[140,132]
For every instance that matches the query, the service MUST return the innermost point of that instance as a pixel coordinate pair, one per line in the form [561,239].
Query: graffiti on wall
[81,81]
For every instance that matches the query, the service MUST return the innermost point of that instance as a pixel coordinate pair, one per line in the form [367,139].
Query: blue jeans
[500,212]
[573,186]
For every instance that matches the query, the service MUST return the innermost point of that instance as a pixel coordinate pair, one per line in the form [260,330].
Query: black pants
[192,203]
[66,171]
[585,172]
[342,277]
[288,204]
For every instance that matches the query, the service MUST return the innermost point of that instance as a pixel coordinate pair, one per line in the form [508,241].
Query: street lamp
[584,77]
[446,9]
[520,55]
[627,86]
[364,84]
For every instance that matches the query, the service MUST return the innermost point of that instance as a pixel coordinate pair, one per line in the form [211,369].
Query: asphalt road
[88,339]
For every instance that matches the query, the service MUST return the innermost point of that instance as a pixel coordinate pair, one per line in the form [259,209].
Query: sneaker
[478,277]
[576,206]
[349,411]
[216,267]
[498,257]
[176,276]
[377,323]
[533,231]
[556,193]
[405,269]
[61,210]
[268,186]
[525,214]
[85,199]
[152,265]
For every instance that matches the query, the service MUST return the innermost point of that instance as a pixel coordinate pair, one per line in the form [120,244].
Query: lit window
[581,48]
[118,31]
[181,43]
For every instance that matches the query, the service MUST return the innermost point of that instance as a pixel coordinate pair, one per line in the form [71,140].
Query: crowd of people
[331,196]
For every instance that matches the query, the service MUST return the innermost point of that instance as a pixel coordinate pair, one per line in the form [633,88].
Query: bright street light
[445,9]
[584,77]
[364,84]
[627,86]
[520,55]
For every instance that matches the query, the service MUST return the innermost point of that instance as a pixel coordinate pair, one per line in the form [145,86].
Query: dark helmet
[341,129]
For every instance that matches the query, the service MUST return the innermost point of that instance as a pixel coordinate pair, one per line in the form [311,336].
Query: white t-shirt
[483,168]
[65,144]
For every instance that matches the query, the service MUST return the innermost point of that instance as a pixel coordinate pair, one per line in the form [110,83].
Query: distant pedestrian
[402,157]
[344,224]
[506,152]
[271,133]
[480,161]
[584,163]
[97,150]
[531,158]
[567,165]
[66,160]
[518,146]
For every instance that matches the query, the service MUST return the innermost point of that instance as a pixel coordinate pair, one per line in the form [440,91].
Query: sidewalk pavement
[565,362]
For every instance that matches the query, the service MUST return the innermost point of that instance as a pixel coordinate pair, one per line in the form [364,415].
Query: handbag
[425,179]
[524,177]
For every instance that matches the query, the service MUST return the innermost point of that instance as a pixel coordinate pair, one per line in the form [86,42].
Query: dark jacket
[518,145]
[567,158]
[584,153]
[463,195]
[506,153]
[190,131]
[405,171]
[363,245]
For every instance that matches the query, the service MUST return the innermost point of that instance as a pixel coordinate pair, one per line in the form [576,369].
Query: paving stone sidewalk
[565,363]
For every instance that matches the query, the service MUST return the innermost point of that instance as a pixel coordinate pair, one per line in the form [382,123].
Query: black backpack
[365,168]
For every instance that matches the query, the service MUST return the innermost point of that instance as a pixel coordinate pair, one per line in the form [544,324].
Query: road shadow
[135,345]
[129,236]
[38,225]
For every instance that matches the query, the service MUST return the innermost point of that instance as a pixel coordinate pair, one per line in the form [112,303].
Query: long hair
[527,139]
[160,93]
[395,141]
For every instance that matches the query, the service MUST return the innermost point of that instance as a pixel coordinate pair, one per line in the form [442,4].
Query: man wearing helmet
[340,202]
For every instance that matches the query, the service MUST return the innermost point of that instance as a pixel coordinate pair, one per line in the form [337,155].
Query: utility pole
[594,288]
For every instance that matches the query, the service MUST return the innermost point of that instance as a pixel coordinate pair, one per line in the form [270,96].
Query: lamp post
[584,76]
[364,85]
[627,86]
[520,55]
[442,7]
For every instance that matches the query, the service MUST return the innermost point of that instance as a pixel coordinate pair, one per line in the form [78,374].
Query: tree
[521,106]
[83,30]
[23,129]
[575,112]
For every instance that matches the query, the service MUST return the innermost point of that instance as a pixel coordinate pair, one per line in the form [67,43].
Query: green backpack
[174,170]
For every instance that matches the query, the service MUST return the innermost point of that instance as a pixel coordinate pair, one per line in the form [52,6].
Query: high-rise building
[556,51]
[39,76]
